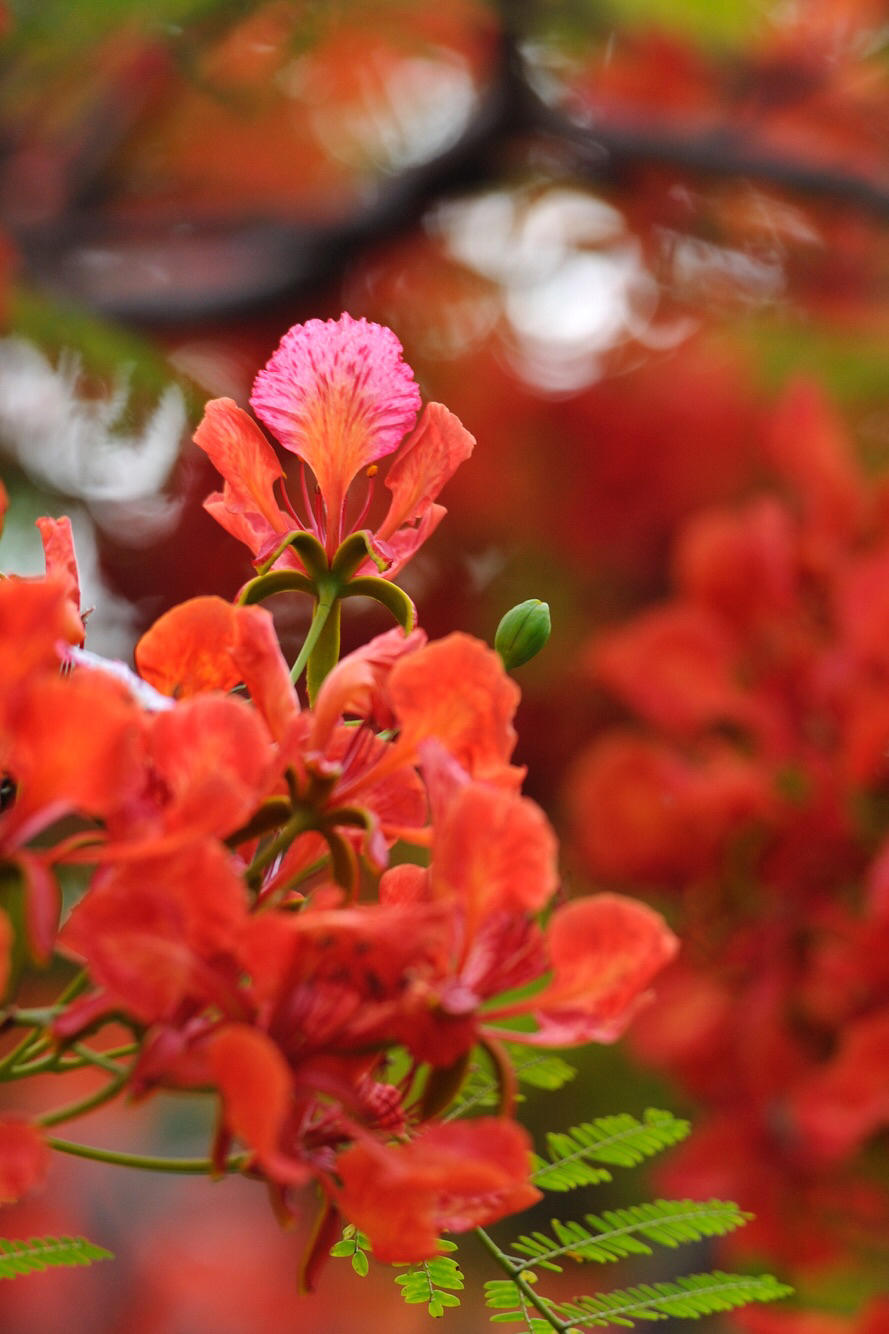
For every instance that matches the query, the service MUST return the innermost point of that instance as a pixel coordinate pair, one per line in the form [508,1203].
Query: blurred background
[640,247]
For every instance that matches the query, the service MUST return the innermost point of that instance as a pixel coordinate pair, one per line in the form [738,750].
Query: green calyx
[328,582]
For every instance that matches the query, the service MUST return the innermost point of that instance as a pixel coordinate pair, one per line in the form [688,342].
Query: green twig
[298,823]
[148,1162]
[323,608]
[38,1019]
[516,1274]
[72,1110]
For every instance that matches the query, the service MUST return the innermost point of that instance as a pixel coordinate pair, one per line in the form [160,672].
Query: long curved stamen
[289,506]
[313,526]
[322,522]
[370,473]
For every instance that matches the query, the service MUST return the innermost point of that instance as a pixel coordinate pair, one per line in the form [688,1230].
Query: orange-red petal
[24,1159]
[187,650]
[452,1178]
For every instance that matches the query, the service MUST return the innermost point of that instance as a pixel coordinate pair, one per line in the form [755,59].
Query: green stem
[298,823]
[103,1059]
[326,652]
[38,1067]
[84,1105]
[147,1162]
[327,600]
[516,1275]
[57,1063]
[39,1019]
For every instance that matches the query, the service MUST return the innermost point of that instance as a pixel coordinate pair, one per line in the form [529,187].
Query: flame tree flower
[337,395]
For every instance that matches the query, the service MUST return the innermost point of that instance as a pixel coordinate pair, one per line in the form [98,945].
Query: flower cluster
[311,908]
[751,784]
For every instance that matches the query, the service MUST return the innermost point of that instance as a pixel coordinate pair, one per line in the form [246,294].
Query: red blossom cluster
[244,916]
[750,781]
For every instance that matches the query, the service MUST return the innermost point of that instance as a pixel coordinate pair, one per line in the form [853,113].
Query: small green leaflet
[434,1283]
[37,1253]
[355,1245]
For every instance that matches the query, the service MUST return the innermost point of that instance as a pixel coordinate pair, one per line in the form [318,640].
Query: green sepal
[392,597]
[343,861]
[276,581]
[273,812]
[309,550]
[351,554]
[354,816]
[443,1085]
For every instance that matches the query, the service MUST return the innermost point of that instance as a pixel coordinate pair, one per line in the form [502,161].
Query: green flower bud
[523,632]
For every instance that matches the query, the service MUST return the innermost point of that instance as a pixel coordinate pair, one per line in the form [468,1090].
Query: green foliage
[618,1233]
[543,1070]
[511,1304]
[355,1245]
[434,1283]
[619,1141]
[691,1296]
[575,1159]
[538,1069]
[37,1253]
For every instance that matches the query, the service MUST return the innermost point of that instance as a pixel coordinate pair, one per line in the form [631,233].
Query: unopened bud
[523,632]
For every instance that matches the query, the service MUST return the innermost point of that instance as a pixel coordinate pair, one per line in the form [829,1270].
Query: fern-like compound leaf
[618,1233]
[691,1296]
[617,1141]
[36,1253]
[538,1069]
[434,1283]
